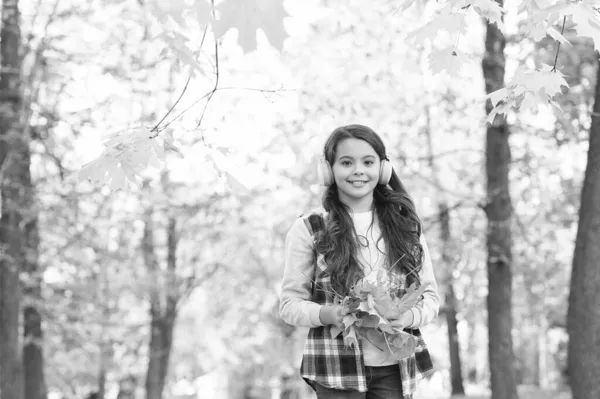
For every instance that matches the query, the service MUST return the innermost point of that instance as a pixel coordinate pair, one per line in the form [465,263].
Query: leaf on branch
[448,21]
[551,14]
[555,34]
[544,82]
[178,43]
[491,11]
[541,15]
[503,108]
[498,95]
[448,59]
[587,22]
[177,11]
[250,15]
[127,155]
[527,89]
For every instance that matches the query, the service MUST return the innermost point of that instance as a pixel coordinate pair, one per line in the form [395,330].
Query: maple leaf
[490,10]
[368,321]
[247,16]
[446,20]
[587,22]
[498,95]
[351,303]
[410,298]
[498,110]
[349,319]
[527,101]
[334,331]
[376,338]
[127,154]
[448,59]
[167,11]
[553,33]
[364,286]
[546,81]
[402,344]
[387,328]
[178,43]
[550,13]
[350,338]
[538,31]
[387,307]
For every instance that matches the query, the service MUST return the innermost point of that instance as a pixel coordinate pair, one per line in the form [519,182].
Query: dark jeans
[382,383]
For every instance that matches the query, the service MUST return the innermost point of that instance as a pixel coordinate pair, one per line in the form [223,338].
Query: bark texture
[499,214]
[163,306]
[583,316]
[13,163]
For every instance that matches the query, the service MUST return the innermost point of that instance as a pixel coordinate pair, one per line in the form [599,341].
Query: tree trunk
[542,368]
[13,143]
[450,301]
[454,345]
[163,306]
[33,357]
[499,214]
[448,263]
[127,387]
[583,316]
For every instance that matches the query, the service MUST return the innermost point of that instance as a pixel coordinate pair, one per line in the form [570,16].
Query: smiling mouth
[357,183]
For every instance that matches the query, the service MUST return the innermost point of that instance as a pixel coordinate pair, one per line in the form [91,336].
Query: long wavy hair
[399,223]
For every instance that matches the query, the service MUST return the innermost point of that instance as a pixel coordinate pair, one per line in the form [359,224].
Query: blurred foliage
[98,69]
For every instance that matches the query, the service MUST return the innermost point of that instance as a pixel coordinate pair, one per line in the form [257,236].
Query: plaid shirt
[328,362]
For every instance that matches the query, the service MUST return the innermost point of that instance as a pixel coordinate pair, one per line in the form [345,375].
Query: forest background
[154,156]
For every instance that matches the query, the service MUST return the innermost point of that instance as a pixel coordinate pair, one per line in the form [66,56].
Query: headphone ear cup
[385,172]
[325,173]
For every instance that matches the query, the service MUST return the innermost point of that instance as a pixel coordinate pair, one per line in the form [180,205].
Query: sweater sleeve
[426,310]
[295,306]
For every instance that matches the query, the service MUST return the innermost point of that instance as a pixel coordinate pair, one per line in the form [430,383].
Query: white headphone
[326,173]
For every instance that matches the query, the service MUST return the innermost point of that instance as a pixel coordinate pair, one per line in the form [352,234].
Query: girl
[366,228]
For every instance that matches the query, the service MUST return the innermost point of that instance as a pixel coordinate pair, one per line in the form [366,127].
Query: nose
[358,169]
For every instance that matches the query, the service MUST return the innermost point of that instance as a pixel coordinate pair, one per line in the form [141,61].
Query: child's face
[356,173]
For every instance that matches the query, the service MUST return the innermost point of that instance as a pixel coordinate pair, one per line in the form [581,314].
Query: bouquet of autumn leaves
[368,302]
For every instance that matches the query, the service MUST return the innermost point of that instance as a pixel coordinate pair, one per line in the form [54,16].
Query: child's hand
[333,315]
[387,309]
[403,321]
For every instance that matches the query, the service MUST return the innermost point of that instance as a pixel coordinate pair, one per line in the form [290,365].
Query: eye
[369,163]
[345,163]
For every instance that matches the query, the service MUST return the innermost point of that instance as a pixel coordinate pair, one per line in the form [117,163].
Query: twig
[155,128]
[558,47]
[465,8]
[213,91]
